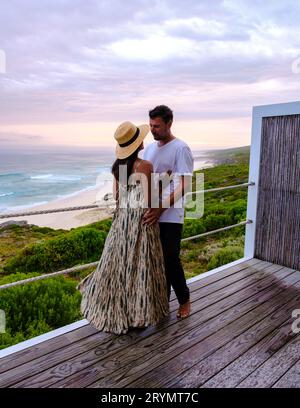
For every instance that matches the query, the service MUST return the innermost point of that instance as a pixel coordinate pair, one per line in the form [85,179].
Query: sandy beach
[69,219]
[76,218]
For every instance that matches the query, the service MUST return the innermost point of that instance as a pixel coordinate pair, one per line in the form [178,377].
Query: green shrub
[81,245]
[193,227]
[224,256]
[103,225]
[37,307]
[213,222]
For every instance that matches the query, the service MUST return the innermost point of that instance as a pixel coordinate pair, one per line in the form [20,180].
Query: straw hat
[129,137]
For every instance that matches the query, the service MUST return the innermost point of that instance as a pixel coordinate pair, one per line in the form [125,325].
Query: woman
[128,287]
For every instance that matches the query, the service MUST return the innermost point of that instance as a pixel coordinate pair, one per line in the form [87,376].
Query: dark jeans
[170,236]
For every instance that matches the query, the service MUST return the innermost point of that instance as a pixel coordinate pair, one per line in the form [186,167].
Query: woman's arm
[116,190]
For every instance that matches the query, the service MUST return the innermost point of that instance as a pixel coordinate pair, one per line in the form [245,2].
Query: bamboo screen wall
[278,209]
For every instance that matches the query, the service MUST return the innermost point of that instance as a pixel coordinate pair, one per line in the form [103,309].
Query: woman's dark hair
[163,112]
[129,161]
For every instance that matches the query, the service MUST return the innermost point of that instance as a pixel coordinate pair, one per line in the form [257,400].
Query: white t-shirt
[177,157]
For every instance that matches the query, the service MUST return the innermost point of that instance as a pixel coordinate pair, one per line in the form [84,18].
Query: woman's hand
[152,215]
[166,175]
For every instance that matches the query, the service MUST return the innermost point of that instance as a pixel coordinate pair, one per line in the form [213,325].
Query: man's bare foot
[184,310]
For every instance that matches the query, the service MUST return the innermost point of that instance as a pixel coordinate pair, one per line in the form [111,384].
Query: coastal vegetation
[29,250]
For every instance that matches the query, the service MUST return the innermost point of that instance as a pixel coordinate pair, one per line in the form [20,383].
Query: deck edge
[80,323]
[219,269]
[43,337]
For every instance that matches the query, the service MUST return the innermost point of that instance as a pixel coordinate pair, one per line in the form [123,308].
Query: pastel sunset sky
[72,70]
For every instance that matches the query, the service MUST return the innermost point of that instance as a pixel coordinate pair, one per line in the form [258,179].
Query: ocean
[29,178]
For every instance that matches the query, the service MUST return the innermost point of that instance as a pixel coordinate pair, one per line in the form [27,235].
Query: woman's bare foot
[184,310]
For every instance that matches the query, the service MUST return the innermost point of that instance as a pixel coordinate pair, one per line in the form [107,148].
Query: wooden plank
[104,349]
[253,264]
[16,359]
[275,367]
[153,347]
[242,367]
[205,288]
[265,337]
[179,363]
[291,379]
[48,346]
[128,340]
[235,273]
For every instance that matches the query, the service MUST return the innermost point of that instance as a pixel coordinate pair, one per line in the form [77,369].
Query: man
[172,155]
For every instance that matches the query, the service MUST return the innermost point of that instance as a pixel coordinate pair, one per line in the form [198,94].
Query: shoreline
[78,218]
[69,219]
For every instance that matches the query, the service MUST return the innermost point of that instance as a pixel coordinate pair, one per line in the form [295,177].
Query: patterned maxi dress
[128,287]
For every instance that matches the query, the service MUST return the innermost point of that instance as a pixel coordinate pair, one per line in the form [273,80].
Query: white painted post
[259,112]
[253,190]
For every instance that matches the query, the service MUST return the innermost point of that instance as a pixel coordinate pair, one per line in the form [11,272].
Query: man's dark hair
[163,112]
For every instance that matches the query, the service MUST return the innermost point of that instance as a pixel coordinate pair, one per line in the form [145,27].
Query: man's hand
[151,215]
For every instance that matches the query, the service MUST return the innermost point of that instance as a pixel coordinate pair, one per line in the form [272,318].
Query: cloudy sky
[72,70]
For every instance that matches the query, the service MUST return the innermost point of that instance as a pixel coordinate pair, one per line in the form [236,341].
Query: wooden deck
[239,334]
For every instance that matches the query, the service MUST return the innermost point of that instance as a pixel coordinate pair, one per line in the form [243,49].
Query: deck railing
[103,205]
